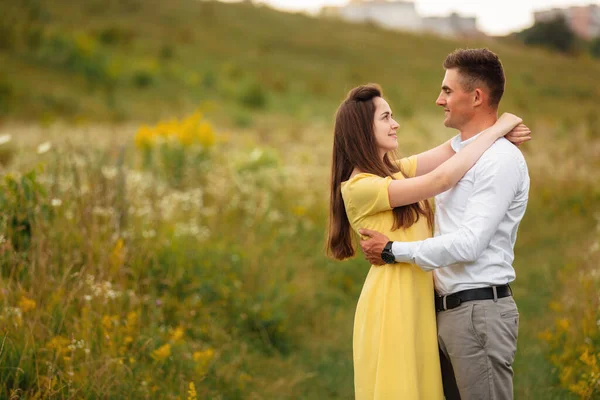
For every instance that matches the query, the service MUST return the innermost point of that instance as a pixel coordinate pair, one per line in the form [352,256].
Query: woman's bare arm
[433,158]
[442,178]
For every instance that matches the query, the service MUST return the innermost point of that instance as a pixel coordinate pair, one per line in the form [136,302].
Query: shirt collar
[458,145]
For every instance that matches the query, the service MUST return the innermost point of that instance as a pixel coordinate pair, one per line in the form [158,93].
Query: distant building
[583,20]
[453,25]
[389,14]
[402,15]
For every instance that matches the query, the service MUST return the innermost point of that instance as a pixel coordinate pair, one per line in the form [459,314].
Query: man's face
[458,104]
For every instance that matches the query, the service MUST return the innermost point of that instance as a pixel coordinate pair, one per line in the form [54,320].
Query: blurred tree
[554,34]
[595,47]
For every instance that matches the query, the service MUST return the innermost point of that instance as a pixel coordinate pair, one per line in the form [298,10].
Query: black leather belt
[448,302]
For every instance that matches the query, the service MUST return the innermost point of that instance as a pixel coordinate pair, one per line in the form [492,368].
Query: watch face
[388,258]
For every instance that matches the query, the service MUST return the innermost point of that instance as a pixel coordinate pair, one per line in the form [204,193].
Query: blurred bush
[252,95]
[555,35]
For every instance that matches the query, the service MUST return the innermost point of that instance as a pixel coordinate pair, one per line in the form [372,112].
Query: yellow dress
[395,338]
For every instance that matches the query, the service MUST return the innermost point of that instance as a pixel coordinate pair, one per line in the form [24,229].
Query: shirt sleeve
[368,194]
[409,166]
[496,184]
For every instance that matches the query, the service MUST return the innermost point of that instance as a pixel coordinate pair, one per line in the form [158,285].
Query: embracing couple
[436,315]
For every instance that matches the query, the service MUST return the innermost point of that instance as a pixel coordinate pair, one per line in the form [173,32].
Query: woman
[394,340]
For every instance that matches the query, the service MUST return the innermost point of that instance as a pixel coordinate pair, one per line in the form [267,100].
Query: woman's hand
[507,122]
[519,135]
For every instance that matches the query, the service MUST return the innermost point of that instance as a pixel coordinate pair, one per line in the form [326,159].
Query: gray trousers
[478,341]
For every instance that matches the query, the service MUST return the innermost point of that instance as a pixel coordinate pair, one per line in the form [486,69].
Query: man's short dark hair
[478,66]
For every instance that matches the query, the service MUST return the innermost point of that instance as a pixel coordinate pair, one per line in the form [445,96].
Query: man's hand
[519,135]
[373,245]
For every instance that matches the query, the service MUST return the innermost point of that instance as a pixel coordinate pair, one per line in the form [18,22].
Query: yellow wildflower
[588,359]
[177,334]
[192,392]
[117,256]
[581,388]
[243,380]
[565,375]
[205,135]
[563,324]
[299,211]
[107,322]
[144,137]
[555,306]
[132,319]
[545,335]
[203,359]
[188,131]
[162,353]
[26,304]
[85,44]
[59,343]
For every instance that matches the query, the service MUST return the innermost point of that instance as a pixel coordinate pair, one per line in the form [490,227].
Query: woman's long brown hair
[354,146]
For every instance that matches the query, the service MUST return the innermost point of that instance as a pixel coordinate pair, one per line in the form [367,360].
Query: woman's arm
[408,191]
[433,158]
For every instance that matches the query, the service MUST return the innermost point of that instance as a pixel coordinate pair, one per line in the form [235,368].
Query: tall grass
[172,259]
[120,281]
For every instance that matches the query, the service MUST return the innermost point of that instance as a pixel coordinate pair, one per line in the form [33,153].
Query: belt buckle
[450,302]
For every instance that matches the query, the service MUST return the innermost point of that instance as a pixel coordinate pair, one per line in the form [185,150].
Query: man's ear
[478,97]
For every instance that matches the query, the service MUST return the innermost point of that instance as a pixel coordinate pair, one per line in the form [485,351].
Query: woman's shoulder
[363,178]
[366,193]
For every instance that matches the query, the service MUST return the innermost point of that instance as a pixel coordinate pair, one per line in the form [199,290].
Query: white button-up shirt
[475,223]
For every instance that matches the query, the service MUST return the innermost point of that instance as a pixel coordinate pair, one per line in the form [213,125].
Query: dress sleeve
[409,166]
[368,195]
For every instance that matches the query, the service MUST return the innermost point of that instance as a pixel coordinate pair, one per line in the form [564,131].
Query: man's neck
[477,125]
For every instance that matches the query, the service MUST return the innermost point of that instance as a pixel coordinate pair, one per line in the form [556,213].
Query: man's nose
[440,100]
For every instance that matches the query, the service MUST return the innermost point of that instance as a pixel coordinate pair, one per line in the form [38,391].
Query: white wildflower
[275,216]
[255,155]
[56,202]
[44,147]
[5,139]
[149,234]
[16,311]
[102,211]
[109,172]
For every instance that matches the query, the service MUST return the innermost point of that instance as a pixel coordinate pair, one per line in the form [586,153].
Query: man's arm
[495,187]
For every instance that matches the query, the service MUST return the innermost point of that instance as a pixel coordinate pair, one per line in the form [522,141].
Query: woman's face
[384,126]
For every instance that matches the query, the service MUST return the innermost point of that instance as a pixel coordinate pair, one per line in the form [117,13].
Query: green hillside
[139,59]
[133,266]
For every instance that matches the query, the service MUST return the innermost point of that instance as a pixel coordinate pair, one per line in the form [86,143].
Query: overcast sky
[493,17]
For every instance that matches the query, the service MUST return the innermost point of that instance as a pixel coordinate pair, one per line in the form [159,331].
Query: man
[472,250]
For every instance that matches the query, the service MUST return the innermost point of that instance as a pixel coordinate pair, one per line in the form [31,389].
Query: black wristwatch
[386,255]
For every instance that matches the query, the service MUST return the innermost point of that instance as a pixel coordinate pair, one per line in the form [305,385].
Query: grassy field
[165,200]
